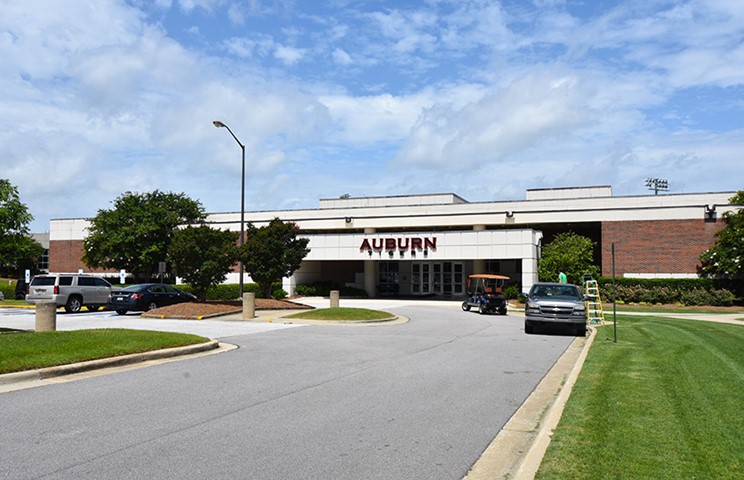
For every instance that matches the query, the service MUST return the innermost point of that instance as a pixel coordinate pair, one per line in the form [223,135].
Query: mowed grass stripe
[663,402]
[29,350]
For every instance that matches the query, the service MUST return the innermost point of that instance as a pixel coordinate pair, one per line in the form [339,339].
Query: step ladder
[594,302]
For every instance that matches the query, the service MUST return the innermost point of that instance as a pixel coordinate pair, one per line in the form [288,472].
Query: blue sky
[481,98]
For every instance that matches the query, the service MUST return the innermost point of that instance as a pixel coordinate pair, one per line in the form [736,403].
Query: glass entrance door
[436,278]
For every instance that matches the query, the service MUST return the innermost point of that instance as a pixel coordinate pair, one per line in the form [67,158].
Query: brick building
[428,244]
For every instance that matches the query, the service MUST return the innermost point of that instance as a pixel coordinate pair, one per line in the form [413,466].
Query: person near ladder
[562,276]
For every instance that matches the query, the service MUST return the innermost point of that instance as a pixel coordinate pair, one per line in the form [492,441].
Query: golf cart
[484,292]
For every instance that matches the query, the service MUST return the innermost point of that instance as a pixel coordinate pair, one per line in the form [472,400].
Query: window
[388,277]
[65,281]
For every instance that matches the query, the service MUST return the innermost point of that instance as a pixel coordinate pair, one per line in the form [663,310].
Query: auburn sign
[402,244]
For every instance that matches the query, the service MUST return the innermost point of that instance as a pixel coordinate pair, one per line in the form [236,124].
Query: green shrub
[512,292]
[279,293]
[722,298]
[685,291]
[305,290]
[323,289]
[696,296]
[8,290]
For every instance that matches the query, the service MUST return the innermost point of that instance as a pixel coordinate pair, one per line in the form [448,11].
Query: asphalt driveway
[420,400]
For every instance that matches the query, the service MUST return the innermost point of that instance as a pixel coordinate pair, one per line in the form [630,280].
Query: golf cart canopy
[489,276]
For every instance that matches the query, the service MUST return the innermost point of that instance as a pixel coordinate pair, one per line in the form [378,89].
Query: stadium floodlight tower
[657,184]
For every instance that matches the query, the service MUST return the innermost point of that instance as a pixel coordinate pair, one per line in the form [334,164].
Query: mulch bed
[204,309]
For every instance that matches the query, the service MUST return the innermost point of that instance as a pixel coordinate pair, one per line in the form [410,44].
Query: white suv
[70,290]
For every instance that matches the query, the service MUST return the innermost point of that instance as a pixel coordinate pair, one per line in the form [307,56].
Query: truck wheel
[121,311]
[74,304]
[528,327]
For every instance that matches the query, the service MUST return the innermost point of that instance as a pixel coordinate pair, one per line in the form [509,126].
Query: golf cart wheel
[466,306]
[482,309]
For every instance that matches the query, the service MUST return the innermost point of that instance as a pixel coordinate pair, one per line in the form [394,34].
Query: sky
[481,98]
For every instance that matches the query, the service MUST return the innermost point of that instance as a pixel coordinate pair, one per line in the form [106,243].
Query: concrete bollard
[334,298]
[46,317]
[249,306]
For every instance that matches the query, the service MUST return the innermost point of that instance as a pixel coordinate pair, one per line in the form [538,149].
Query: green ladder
[594,302]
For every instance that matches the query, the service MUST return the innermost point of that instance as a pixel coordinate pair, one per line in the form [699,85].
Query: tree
[18,250]
[136,233]
[571,253]
[272,252]
[203,256]
[726,258]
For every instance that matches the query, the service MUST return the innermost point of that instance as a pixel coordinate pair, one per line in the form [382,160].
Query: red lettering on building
[402,244]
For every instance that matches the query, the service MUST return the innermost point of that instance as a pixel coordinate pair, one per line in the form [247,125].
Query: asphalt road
[420,400]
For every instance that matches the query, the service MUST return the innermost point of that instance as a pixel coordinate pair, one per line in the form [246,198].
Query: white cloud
[341,57]
[289,55]
[108,98]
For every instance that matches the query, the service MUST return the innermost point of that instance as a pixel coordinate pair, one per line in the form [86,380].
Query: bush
[686,291]
[225,292]
[305,290]
[323,289]
[279,293]
[8,290]
[512,292]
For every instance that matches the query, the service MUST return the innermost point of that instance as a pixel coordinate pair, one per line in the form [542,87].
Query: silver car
[70,290]
[555,304]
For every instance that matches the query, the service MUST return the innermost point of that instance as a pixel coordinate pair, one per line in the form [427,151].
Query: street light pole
[219,124]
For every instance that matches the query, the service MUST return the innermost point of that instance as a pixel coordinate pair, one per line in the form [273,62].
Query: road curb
[61,370]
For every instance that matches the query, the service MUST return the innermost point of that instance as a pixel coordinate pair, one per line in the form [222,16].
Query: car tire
[74,304]
[466,306]
[528,327]
[152,306]
[121,311]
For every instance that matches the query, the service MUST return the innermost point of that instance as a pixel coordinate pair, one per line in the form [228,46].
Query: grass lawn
[664,402]
[29,350]
[336,314]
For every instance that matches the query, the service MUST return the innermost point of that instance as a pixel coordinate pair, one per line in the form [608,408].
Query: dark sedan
[146,296]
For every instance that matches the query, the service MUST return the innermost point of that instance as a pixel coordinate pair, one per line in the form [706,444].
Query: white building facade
[429,244]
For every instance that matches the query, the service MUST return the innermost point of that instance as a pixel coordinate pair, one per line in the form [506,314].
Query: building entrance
[437,278]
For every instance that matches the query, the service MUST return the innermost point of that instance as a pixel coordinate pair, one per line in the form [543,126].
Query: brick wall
[66,256]
[661,246]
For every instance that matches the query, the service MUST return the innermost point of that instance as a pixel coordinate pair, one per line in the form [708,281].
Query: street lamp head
[219,124]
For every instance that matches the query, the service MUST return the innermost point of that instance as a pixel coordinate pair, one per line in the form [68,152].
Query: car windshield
[555,291]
